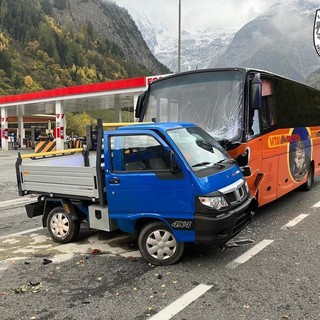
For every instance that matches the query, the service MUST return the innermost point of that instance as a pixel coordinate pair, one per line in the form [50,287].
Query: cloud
[200,14]
[291,21]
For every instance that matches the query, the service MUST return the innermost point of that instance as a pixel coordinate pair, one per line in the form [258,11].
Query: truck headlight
[216,202]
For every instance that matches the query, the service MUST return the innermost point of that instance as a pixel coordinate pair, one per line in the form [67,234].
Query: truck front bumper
[219,229]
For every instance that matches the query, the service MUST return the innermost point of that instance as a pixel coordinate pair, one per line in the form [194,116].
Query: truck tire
[158,245]
[61,227]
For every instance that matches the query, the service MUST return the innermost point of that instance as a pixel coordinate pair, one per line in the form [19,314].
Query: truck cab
[169,183]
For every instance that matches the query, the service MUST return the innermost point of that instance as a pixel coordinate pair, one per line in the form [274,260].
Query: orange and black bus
[269,124]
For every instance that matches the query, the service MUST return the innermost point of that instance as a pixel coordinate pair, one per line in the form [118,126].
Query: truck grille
[235,193]
[243,219]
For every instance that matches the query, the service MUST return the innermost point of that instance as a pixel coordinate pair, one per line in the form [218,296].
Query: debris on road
[236,243]
[96,251]
[31,287]
[46,261]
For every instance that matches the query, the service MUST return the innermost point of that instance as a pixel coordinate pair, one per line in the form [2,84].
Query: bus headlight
[216,202]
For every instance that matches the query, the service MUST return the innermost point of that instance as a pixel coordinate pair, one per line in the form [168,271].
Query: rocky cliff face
[109,22]
[280,40]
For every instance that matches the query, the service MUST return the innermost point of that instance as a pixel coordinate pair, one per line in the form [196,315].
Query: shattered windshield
[199,148]
[212,100]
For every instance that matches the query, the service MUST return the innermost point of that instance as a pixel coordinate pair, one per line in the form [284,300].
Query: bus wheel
[310,180]
[158,245]
[61,227]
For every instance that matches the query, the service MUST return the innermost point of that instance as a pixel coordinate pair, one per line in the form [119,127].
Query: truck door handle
[114,181]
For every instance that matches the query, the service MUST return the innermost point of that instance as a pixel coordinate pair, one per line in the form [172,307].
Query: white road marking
[295,221]
[178,305]
[316,205]
[249,254]
[21,233]
[17,202]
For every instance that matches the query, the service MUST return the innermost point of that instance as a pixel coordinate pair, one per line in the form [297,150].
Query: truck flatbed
[57,175]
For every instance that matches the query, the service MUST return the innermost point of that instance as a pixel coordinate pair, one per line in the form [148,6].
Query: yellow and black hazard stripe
[45,146]
[75,144]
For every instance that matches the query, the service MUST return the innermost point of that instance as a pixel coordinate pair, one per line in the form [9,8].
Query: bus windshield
[211,99]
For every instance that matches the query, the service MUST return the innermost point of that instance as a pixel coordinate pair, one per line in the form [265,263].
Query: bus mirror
[255,92]
[139,105]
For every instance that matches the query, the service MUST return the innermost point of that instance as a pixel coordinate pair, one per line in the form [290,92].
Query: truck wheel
[158,245]
[61,228]
[310,180]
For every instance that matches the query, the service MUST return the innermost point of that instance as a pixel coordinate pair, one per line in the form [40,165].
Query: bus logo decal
[280,139]
[300,154]
[316,32]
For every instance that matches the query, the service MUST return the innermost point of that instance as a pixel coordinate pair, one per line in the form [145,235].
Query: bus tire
[158,245]
[61,227]
[310,179]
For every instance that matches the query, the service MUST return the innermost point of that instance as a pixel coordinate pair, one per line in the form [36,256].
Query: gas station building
[51,105]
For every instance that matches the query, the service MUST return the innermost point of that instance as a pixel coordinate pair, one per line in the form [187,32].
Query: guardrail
[121,124]
[50,153]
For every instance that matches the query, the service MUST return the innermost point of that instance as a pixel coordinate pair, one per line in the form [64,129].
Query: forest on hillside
[37,53]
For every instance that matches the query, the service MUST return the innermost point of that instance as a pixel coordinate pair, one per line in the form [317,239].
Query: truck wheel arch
[51,203]
[140,223]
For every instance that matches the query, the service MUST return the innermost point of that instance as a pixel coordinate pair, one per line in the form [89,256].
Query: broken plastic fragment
[46,261]
[96,251]
[29,288]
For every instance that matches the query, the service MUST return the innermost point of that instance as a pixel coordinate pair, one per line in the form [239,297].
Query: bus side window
[267,113]
[255,129]
[272,111]
[264,115]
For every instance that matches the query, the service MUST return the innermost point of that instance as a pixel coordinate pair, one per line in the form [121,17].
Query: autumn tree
[77,122]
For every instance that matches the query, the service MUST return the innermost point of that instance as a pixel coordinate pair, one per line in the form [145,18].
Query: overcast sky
[199,14]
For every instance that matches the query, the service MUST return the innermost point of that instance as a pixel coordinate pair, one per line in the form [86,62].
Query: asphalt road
[269,272]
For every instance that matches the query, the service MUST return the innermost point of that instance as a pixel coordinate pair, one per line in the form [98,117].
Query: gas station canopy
[116,95]
[104,95]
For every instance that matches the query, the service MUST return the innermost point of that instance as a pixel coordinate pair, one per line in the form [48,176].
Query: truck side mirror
[255,92]
[139,104]
[174,168]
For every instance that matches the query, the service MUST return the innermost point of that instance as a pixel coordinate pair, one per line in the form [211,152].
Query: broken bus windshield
[210,99]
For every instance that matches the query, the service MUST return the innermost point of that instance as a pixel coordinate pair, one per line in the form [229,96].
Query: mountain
[280,40]
[47,44]
[197,49]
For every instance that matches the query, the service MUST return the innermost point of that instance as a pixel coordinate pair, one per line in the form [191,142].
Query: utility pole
[179,38]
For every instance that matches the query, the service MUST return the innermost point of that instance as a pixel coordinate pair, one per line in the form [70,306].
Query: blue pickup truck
[168,183]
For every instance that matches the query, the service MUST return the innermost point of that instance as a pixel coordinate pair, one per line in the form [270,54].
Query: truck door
[139,180]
